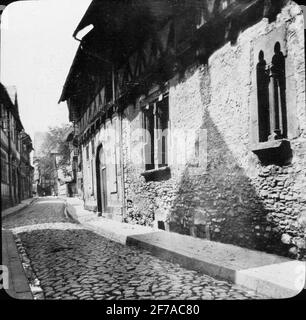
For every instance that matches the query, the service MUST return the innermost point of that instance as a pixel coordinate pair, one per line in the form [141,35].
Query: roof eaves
[69,77]
[84,21]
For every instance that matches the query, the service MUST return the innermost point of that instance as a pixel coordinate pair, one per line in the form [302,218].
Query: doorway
[101,180]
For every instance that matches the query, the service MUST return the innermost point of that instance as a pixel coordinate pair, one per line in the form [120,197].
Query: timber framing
[142,44]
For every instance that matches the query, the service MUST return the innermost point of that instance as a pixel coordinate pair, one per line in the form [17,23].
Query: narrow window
[162,118]
[148,126]
[12,128]
[87,152]
[3,122]
[271,94]
[155,125]
[4,167]
[263,98]
[93,146]
[92,179]
[278,94]
[108,88]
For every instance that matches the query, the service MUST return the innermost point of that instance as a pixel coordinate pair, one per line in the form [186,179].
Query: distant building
[36,177]
[26,170]
[72,169]
[16,146]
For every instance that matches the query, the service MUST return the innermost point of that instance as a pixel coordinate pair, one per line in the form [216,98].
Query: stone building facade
[208,139]
[26,169]
[73,164]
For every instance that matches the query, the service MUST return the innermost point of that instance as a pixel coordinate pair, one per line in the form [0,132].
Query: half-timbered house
[190,117]
[16,146]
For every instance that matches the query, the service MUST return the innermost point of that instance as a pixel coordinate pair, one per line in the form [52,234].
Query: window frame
[4,167]
[87,152]
[153,109]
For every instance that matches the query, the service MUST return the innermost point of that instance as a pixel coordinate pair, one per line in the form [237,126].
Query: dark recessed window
[93,146]
[271,94]
[155,125]
[87,152]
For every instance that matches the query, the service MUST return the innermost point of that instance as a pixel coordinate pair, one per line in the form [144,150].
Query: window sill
[269,145]
[276,151]
[161,173]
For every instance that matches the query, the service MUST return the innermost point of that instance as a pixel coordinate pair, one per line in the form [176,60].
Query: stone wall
[139,195]
[235,198]
[150,202]
[240,200]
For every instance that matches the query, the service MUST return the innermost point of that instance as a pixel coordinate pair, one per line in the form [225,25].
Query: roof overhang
[119,27]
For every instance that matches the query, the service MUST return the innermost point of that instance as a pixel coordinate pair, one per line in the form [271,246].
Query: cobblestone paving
[74,263]
[44,210]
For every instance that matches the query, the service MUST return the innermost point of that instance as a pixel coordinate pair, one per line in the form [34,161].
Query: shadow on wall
[222,204]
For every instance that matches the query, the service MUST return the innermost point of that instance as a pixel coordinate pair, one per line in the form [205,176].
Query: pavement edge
[260,284]
[19,287]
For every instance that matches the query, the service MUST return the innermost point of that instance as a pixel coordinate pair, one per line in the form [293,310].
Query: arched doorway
[101,180]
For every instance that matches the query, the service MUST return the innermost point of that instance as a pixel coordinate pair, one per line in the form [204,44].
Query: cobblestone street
[74,263]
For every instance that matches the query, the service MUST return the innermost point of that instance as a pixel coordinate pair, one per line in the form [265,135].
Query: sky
[37,50]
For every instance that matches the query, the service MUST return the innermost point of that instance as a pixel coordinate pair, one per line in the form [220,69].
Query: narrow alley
[74,263]
[153,150]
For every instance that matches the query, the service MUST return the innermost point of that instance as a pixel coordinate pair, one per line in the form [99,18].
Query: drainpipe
[120,143]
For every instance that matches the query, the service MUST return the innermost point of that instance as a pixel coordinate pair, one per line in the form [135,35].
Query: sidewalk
[18,286]
[15,209]
[266,274]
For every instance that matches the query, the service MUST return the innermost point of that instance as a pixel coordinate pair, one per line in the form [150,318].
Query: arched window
[263,98]
[271,94]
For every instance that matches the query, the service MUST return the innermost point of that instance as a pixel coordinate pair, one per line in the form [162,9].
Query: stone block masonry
[237,198]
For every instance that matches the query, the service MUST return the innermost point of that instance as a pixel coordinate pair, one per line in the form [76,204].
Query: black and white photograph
[153,150]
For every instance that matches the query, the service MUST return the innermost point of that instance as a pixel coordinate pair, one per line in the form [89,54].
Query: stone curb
[18,284]
[114,236]
[70,214]
[267,274]
[17,210]
[278,279]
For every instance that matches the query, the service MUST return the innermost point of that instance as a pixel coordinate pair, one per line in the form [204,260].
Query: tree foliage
[55,144]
